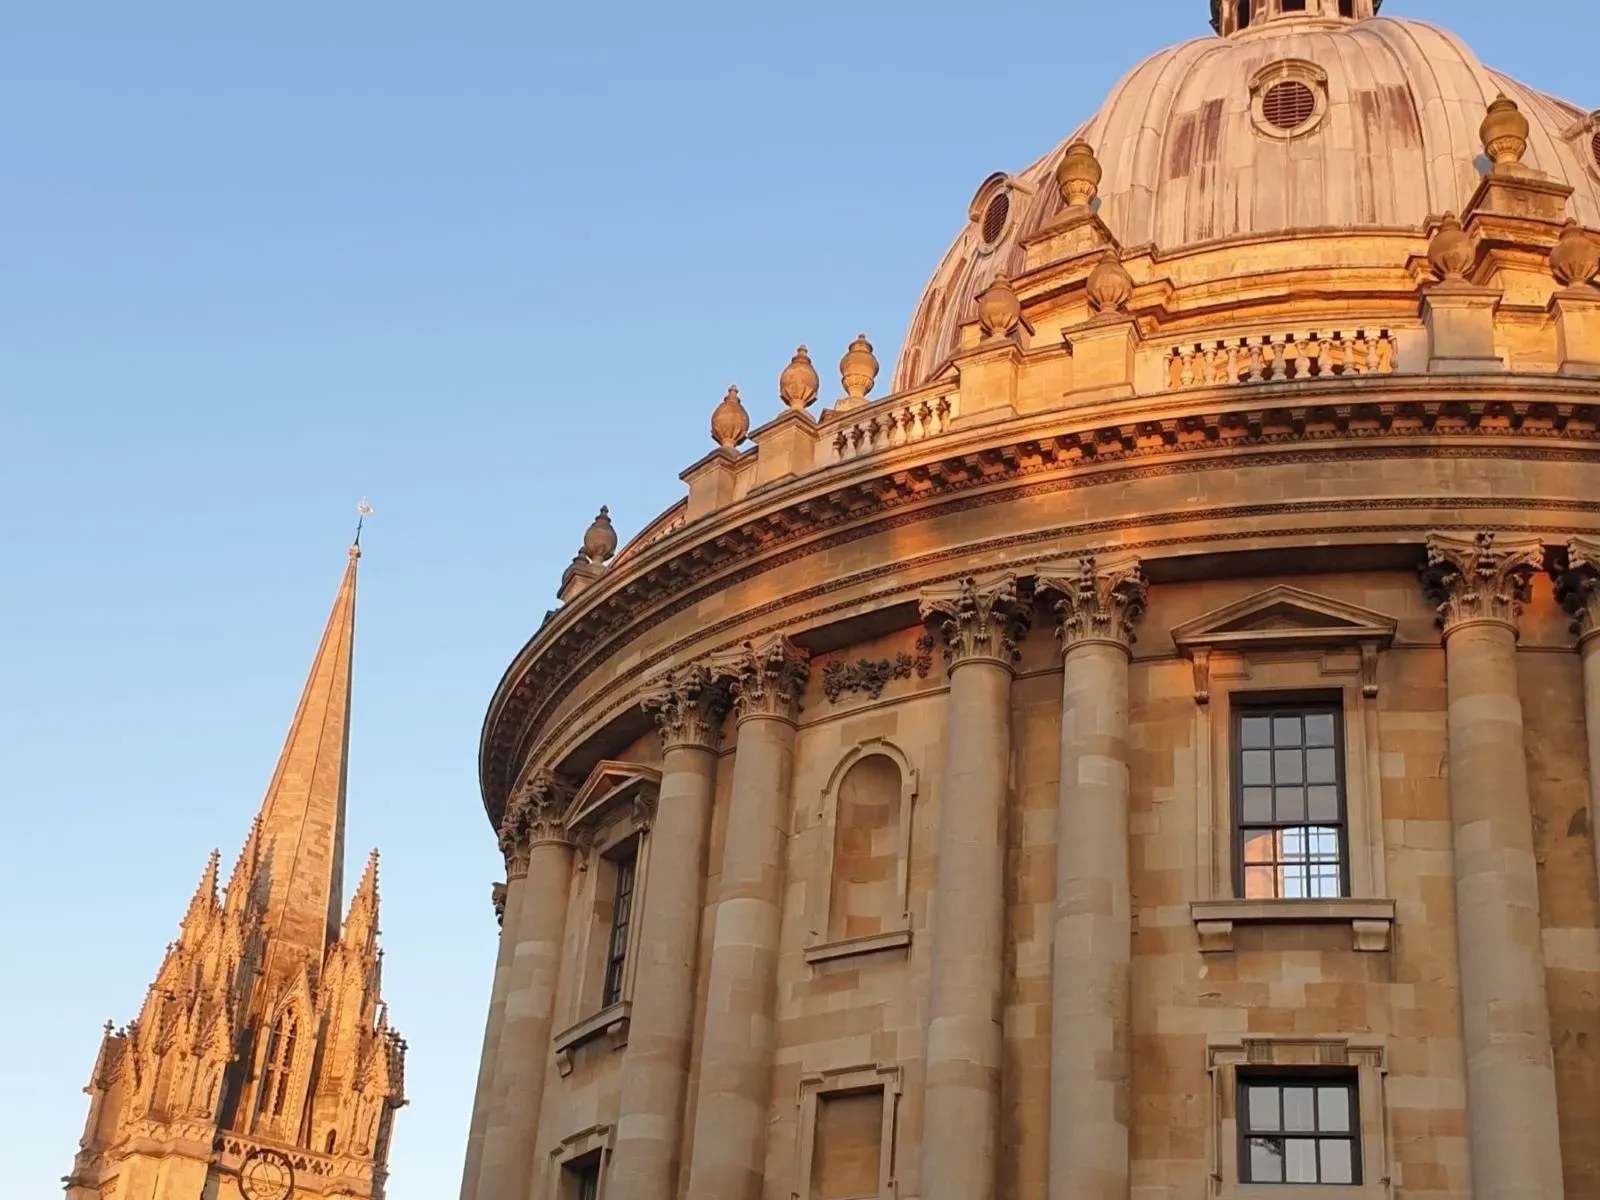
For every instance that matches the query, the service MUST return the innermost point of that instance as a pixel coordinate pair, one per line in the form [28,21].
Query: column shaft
[1591,712]
[482,1098]
[655,1067]
[731,1116]
[1093,936]
[511,1130]
[1516,1147]
[962,1106]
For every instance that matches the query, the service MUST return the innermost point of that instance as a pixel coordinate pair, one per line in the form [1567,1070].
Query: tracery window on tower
[276,1065]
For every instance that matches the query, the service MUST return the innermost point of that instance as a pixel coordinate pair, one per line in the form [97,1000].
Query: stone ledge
[873,943]
[1371,921]
[611,1023]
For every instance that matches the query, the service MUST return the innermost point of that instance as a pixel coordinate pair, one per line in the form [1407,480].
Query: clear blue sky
[490,264]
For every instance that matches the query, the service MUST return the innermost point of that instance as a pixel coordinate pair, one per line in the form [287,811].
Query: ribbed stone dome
[1287,126]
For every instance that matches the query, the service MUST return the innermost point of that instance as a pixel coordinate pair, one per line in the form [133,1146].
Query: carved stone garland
[870,676]
[689,706]
[1474,579]
[1578,586]
[768,677]
[497,894]
[533,817]
[984,619]
[1098,604]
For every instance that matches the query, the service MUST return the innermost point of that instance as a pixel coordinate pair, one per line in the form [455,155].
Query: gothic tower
[262,1065]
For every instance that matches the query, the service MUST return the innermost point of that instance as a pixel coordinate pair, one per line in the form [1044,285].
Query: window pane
[1324,803]
[1260,883]
[1266,1161]
[1255,733]
[1319,729]
[1300,1110]
[1257,806]
[1288,766]
[1262,848]
[1286,731]
[1264,1110]
[1326,884]
[1333,1105]
[1300,1156]
[1293,843]
[1337,1164]
[1320,767]
[1291,804]
[1257,768]
[1324,843]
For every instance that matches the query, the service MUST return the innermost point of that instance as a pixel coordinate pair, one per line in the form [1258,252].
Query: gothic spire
[361,923]
[302,817]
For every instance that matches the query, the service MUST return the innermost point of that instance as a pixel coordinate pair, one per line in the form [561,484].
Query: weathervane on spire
[363,511]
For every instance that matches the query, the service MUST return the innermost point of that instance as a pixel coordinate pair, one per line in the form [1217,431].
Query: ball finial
[730,422]
[799,383]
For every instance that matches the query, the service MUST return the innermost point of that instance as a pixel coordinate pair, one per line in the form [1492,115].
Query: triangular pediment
[610,784]
[1285,616]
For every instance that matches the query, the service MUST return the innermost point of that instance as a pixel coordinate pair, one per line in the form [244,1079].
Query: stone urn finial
[1450,251]
[600,542]
[1575,260]
[858,369]
[1504,132]
[1110,286]
[729,421]
[799,383]
[1078,175]
[999,310]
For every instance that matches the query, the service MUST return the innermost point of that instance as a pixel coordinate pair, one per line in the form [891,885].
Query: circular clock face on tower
[266,1175]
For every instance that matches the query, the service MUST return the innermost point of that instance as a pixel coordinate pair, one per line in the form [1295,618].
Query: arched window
[332,1143]
[276,1065]
[1244,14]
[865,895]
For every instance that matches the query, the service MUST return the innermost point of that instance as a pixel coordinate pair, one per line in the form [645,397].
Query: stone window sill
[1371,925]
[610,1023]
[872,943]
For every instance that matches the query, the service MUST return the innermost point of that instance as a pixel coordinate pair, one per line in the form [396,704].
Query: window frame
[619,937]
[1344,1078]
[813,1087]
[1273,705]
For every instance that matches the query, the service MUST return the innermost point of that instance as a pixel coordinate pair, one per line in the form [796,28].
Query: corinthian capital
[689,705]
[1097,603]
[1578,586]
[1481,578]
[768,677]
[534,817]
[979,619]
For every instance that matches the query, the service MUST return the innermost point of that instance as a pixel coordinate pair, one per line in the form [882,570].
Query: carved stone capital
[979,620]
[689,705]
[1578,586]
[1097,603]
[534,817]
[768,677]
[1480,579]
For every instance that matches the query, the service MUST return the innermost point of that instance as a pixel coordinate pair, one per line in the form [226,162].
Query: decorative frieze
[980,619]
[1097,603]
[1578,585]
[871,676]
[768,677]
[1480,578]
[689,706]
[535,816]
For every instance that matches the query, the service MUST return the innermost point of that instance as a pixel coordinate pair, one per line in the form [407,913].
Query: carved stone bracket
[535,816]
[1480,579]
[768,677]
[1578,586]
[689,706]
[980,619]
[1097,603]
[871,677]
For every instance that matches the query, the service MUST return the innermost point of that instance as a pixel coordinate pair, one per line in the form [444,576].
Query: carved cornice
[1480,579]
[980,620]
[768,677]
[534,817]
[1578,586]
[689,706]
[1097,603]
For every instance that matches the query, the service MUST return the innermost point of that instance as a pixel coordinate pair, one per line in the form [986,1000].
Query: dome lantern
[1229,17]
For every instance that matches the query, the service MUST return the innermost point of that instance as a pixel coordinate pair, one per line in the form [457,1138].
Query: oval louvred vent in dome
[1289,105]
[1594,148]
[995,218]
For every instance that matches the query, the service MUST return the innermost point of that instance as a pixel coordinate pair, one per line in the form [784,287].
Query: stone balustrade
[889,424]
[1275,357]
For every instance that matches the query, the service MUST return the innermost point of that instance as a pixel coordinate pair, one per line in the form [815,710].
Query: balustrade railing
[889,424]
[1276,357]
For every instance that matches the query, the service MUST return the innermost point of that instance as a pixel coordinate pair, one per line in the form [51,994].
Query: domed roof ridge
[1191,158]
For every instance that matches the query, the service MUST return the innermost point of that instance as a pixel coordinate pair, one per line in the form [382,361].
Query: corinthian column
[1480,586]
[1093,935]
[981,624]
[729,1154]
[538,848]
[506,895]
[689,707]
[1579,590]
